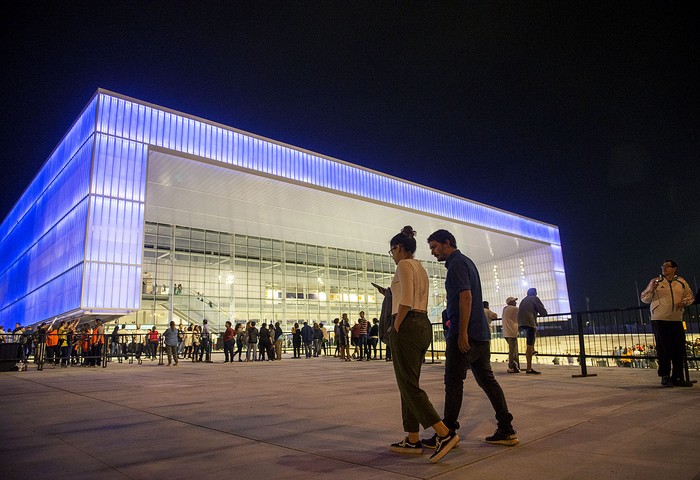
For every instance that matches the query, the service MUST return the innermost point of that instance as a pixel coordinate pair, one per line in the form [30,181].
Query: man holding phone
[668,295]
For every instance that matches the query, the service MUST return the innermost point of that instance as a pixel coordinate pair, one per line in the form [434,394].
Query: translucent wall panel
[42,238]
[560,279]
[111,287]
[59,250]
[127,119]
[60,296]
[513,276]
[115,226]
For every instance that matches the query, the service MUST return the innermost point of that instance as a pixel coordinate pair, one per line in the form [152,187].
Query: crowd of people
[633,356]
[72,343]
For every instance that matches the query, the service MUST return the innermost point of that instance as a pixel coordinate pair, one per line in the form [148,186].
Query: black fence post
[161,346]
[432,344]
[39,353]
[103,355]
[582,349]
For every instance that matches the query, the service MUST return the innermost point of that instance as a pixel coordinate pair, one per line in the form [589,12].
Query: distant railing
[599,338]
[92,350]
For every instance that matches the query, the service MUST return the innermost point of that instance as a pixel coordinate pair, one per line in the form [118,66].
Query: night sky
[578,114]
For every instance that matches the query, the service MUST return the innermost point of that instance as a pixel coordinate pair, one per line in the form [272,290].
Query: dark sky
[580,114]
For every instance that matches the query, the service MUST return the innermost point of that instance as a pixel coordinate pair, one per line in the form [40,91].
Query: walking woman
[410,337]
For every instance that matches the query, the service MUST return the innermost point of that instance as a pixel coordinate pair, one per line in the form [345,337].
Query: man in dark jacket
[307,337]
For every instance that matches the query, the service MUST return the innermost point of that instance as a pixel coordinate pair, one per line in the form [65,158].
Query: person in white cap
[530,307]
[510,333]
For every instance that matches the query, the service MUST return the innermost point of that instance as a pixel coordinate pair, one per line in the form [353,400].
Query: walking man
[468,338]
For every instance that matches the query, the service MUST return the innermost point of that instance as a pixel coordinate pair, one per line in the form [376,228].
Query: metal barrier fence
[622,338]
[100,350]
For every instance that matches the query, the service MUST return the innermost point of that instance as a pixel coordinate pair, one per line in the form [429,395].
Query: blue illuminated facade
[74,242]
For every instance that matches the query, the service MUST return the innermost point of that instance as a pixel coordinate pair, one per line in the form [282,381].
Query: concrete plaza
[325,419]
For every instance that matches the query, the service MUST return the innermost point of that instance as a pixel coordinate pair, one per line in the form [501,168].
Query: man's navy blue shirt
[462,275]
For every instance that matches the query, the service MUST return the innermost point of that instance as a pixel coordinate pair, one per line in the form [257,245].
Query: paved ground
[324,419]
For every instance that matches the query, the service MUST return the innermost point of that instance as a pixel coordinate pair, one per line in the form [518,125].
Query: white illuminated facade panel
[124,118]
[513,276]
[115,228]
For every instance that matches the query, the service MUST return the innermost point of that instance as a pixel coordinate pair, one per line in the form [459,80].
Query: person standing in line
[468,340]
[122,344]
[279,335]
[324,339]
[99,347]
[336,336]
[410,338]
[345,338]
[264,343]
[137,342]
[490,315]
[114,342]
[296,341]
[52,347]
[530,307]
[180,339]
[510,333]
[170,339]
[241,339]
[318,339]
[229,342]
[187,343]
[307,337]
[668,295]
[362,335]
[153,340]
[63,343]
[196,342]
[355,340]
[205,342]
[252,343]
[374,338]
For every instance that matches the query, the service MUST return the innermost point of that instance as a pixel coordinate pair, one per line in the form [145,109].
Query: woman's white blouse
[409,286]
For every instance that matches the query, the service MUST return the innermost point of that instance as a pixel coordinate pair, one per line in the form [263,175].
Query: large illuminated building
[149,214]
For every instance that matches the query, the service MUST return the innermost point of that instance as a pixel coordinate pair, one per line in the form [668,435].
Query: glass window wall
[223,276]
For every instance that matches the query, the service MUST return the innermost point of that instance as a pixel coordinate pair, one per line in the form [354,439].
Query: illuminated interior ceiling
[197,193]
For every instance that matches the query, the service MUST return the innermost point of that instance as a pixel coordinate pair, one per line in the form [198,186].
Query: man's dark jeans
[670,347]
[478,358]
[364,347]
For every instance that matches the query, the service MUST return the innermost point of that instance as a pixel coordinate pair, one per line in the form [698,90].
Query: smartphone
[378,287]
